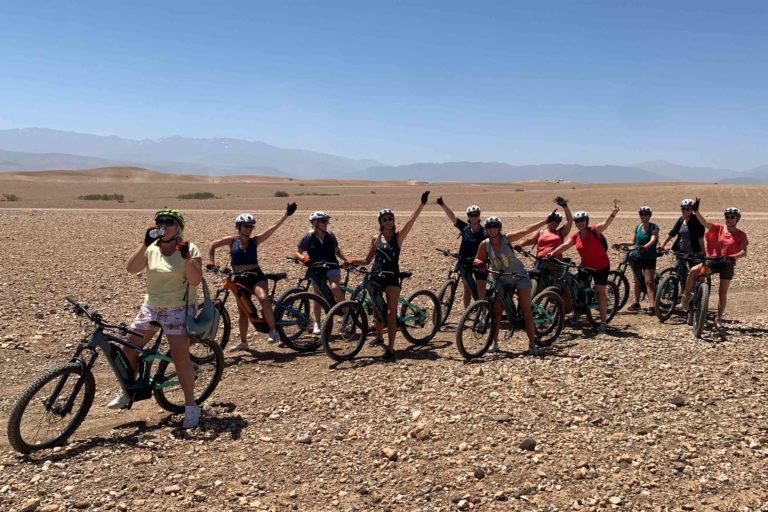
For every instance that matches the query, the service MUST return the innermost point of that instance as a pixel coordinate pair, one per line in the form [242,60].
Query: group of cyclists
[174,266]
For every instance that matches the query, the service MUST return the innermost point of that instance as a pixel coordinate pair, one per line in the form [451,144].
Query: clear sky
[402,81]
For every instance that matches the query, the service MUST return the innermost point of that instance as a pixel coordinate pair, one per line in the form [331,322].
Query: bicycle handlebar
[446,252]
[96,318]
[320,264]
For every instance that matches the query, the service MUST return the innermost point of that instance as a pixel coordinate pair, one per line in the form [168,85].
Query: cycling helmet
[645,209]
[733,211]
[245,218]
[493,222]
[174,214]
[385,211]
[318,215]
[686,202]
[473,209]
[555,217]
[580,215]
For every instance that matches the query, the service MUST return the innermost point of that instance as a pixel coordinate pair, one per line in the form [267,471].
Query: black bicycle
[461,272]
[478,327]
[50,410]
[345,327]
[670,287]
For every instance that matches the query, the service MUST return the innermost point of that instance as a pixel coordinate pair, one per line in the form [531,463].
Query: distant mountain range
[45,149]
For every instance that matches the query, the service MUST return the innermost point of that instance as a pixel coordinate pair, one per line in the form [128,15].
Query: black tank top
[244,257]
[387,256]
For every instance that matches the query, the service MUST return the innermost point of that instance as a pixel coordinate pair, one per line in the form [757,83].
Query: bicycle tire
[477,319]
[547,334]
[621,281]
[221,338]
[343,340]
[701,309]
[290,291]
[299,308]
[17,437]
[446,296]
[421,299]
[612,299]
[207,360]
[667,295]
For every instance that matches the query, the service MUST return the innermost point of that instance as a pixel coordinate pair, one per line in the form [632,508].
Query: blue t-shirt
[470,241]
[320,250]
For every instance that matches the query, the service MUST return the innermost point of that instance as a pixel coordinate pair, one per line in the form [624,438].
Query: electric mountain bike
[461,272]
[50,410]
[670,289]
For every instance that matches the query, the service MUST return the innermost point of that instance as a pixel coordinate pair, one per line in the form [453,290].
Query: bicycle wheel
[667,295]
[420,317]
[51,408]
[295,320]
[344,330]
[290,291]
[476,330]
[446,296]
[612,302]
[221,338]
[622,283]
[701,302]
[208,366]
[548,317]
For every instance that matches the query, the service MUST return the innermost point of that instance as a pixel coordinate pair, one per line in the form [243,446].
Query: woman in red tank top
[553,236]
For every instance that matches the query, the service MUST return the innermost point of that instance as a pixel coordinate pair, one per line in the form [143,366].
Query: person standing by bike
[723,241]
[590,243]
[472,234]
[321,246]
[497,249]
[689,238]
[643,258]
[385,254]
[547,239]
[243,250]
[174,269]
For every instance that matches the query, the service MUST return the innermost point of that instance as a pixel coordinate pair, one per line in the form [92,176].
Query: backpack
[600,237]
[205,322]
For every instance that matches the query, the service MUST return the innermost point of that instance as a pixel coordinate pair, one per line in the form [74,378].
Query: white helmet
[245,218]
[686,202]
[645,209]
[581,214]
[733,211]
[385,211]
[473,209]
[492,222]
[318,215]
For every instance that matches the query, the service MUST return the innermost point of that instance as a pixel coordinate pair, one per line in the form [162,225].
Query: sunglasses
[686,208]
[247,226]
[387,219]
[581,220]
[731,217]
[324,221]
[165,222]
[645,214]
[473,215]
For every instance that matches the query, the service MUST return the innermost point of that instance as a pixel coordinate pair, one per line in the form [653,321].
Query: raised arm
[532,240]
[520,233]
[568,221]
[704,222]
[262,237]
[138,260]
[415,215]
[602,227]
[447,210]
[227,240]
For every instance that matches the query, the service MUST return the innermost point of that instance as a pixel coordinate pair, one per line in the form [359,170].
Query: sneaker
[240,346]
[191,416]
[121,401]
[634,307]
[376,342]
[272,338]
[535,351]
[651,311]
[316,330]
[602,328]
[494,348]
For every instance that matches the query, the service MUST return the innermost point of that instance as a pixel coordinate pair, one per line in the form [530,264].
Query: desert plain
[646,417]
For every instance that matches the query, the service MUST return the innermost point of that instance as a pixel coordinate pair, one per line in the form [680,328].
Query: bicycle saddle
[405,275]
[276,277]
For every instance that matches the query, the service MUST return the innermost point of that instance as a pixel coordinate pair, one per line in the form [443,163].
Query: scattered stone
[170,489]
[30,505]
[479,473]
[528,444]
[677,401]
[390,453]
[304,438]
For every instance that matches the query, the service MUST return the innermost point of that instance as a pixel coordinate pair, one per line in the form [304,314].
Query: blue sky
[519,82]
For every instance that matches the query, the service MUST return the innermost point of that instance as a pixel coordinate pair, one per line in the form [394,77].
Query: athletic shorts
[324,275]
[250,280]
[644,264]
[600,276]
[172,320]
[725,269]
[516,283]
[479,275]
[385,281]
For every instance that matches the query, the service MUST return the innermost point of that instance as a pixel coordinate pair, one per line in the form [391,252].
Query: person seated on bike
[385,254]
[243,250]
[643,258]
[689,239]
[723,241]
[472,235]
[174,269]
[497,249]
[594,258]
[321,246]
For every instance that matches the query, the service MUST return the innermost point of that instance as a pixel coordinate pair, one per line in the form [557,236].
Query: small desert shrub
[281,193]
[11,197]
[519,190]
[373,191]
[197,195]
[315,194]
[103,197]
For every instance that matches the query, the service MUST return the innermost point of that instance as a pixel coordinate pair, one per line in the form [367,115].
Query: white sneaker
[240,346]
[191,416]
[494,348]
[272,338]
[316,330]
[121,401]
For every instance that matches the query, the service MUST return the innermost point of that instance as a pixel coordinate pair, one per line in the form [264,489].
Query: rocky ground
[643,418]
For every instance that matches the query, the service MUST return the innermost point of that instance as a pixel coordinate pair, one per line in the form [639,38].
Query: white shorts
[172,320]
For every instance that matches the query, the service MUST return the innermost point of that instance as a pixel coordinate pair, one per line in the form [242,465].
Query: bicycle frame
[369,295]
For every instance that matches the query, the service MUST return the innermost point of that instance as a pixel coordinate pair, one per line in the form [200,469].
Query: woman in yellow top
[173,267]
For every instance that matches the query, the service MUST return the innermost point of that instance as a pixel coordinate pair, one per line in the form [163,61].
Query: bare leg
[481,289]
[725,284]
[242,323]
[180,354]
[524,303]
[392,295]
[132,355]
[262,293]
[602,301]
[467,295]
[650,285]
